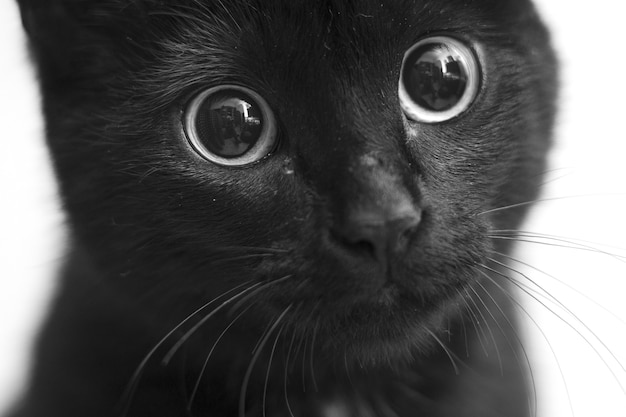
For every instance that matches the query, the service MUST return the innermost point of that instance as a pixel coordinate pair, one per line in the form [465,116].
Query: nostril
[399,232]
[364,248]
[402,229]
[377,239]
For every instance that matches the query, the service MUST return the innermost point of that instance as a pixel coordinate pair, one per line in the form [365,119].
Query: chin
[389,328]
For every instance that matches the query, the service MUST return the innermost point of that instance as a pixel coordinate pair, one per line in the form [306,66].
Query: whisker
[187,335]
[560,281]
[484,320]
[132,385]
[311,367]
[251,248]
[254,293]
[293,338]
[445,349]
[565,243]
[206,360]
[269,367]
[306,343]
[467,353]
[543,200]
[568,239]
[495,344]
[559,304]
[297,351]
[543,334]
[267,329]
[556,245]
[560,177]
[243,258]
[347,369]
[532,406]
[529,291]
[476,323]
[255,357]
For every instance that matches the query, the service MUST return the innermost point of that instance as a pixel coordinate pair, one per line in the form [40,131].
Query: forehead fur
[322,28]
[152,53]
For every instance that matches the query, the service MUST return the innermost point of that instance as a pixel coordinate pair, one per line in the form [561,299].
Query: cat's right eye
[230,125]
[439,79]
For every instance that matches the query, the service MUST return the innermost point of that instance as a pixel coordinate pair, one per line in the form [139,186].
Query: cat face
[355,206]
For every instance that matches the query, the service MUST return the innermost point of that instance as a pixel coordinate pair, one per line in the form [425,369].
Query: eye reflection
[437,79]
[229,124]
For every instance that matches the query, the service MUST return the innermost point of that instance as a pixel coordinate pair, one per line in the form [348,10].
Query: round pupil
[437,78]
[229,123]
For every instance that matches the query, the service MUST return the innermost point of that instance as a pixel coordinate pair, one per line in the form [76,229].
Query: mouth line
[388,294]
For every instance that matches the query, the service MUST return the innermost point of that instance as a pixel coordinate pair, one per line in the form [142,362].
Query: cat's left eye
[230,125]
[439,79]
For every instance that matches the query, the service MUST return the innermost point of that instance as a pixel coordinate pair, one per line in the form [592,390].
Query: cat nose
[375,212]
[380,231]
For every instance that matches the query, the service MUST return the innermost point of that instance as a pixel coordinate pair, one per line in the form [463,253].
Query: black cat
[286,208]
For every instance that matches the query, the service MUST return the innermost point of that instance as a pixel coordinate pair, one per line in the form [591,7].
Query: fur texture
[314,327]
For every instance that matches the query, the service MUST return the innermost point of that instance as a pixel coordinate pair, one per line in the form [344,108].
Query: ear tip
[26,13]
[34,11]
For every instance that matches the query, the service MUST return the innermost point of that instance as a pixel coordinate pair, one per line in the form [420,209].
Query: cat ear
[43,17]
[48,25]
[63,32]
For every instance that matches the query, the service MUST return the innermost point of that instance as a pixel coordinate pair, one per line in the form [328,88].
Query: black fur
[157,231]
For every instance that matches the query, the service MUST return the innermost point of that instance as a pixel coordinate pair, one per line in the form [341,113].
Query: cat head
[309,149]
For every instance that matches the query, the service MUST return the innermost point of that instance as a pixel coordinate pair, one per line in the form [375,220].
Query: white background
[586,183]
